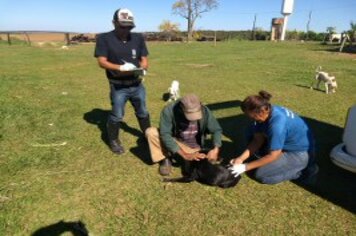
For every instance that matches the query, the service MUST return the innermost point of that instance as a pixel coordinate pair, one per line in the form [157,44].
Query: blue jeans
[288,166]
[119,95]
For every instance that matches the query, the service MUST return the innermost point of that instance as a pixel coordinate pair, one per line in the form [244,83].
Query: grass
[50,96]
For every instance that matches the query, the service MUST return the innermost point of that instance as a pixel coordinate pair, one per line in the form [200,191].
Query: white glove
[127,67]
[238,169]
[144,73]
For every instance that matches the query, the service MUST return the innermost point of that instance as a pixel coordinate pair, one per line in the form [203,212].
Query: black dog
[207,173]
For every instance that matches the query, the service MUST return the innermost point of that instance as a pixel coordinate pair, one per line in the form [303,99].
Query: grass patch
[50,96]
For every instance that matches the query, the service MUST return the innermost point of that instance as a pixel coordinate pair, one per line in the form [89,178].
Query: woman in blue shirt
[281,146]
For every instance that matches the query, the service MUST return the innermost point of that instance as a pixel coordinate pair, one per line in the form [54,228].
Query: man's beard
[123,33]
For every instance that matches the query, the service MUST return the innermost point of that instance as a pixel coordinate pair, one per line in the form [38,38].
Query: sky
[95,16]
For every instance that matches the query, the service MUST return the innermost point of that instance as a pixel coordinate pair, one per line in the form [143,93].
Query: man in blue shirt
[123,55]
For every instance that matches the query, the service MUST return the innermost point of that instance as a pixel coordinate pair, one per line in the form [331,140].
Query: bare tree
[191,10]
[169,28]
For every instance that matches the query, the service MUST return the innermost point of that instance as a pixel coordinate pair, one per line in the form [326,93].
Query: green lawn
[54,164]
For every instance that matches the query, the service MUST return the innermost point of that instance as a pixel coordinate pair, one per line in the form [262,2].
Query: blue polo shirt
[118,52]
[285,131]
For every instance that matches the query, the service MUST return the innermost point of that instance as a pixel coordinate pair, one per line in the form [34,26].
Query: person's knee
[152,132]
[115,118]
[264,179]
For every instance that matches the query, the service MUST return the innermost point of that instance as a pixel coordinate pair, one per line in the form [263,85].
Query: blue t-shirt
[285,131]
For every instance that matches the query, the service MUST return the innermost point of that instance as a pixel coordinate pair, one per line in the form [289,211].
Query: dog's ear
[165,97]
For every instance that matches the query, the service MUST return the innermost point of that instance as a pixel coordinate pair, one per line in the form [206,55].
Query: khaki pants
[158,152]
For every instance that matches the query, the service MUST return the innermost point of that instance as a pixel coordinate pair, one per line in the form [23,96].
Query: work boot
[113,136]
[165,167]
[144,123]
[309,175]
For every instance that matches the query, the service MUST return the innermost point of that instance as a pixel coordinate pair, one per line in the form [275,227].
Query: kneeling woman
[282,144]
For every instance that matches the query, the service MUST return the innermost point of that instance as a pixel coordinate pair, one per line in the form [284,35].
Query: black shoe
[116,147]
[165,167]
[309,175]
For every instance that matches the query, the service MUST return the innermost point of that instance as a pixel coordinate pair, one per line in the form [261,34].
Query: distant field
[41,37]
[56,169]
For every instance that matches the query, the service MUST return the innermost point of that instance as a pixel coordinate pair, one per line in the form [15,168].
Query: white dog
[173,91]
[329,81]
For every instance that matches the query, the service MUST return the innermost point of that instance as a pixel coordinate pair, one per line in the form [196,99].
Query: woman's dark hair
[255,103]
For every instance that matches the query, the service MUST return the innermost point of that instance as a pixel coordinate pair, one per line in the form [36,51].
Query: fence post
[8,39]
[215,38]
[66,36]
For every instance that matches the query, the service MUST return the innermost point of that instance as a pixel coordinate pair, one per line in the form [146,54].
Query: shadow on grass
[336,48]
[77,228]
[334,184]
[233,127]
[308,87]
[99,117]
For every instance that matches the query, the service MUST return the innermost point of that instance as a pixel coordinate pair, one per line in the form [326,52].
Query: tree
[191,10]
[352,32]
[330,30]
[168,28]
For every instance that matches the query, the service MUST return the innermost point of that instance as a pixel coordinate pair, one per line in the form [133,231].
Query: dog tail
[318,69]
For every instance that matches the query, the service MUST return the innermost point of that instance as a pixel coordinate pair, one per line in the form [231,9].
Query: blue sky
[96,15]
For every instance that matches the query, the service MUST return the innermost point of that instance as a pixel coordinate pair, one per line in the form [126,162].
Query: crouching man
[183,127]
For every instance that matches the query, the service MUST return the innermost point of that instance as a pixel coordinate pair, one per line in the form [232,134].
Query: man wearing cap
[183,127]
[123,55]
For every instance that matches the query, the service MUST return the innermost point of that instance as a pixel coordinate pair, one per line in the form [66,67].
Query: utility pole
[308,24]
[254,28]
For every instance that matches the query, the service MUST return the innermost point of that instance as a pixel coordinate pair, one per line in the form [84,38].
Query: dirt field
[41,37]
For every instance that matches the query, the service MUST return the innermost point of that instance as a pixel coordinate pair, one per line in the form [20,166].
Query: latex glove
[238,169]
[127,67]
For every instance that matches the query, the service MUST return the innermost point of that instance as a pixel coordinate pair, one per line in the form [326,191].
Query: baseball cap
[124,16]
[191,107]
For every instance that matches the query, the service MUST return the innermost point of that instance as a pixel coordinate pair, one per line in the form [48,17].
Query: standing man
[123,55]
[183,127]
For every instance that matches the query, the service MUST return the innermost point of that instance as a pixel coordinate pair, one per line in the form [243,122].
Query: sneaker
[165,167]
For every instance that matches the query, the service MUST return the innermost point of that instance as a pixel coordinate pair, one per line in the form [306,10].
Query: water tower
[287,9]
